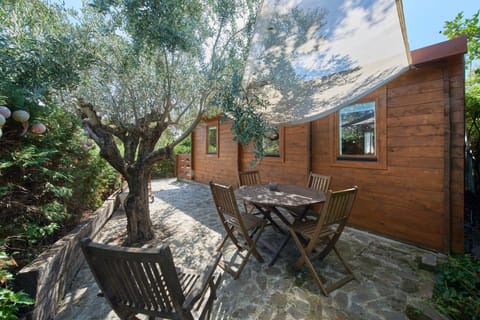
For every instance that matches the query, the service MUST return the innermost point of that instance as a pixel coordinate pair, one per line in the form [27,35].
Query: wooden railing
[183,166]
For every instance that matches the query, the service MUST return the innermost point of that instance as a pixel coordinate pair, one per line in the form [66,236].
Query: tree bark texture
[139,224]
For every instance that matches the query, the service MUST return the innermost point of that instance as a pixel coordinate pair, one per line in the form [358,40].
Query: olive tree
[161,66]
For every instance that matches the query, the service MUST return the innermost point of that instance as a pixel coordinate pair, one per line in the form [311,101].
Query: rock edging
[48,276]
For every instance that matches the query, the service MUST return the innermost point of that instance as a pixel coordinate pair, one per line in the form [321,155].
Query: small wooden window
[271,143]
[356,129]
[361,133]
[212,139]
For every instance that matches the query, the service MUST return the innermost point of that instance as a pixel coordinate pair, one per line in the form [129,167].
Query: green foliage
[469,27]
[39,51]
[184,147]
[47,182]
[457,288]
[241,107]
[172,23]
[94,180]
[164,169]
[158,65]
[41,55]
[10,301]
[472,115]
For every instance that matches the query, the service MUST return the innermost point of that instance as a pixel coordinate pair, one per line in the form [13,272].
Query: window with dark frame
[357,132]
[212,138]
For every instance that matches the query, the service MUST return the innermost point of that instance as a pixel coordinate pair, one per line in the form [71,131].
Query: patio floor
[184,217]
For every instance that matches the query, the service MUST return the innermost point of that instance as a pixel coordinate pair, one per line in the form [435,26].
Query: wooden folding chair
[315,182]
[243,230]
[318,182]
[315,239]
[247,178]
[146,281]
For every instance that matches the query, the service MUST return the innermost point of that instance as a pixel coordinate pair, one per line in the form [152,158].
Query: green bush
[47,181]
[184,147]
[10,301]
[457,288]
[164,169]
[94,180]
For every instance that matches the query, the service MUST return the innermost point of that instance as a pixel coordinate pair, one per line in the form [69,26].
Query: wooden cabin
[411,189]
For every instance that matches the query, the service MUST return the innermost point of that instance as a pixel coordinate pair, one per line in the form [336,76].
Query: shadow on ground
[184,217]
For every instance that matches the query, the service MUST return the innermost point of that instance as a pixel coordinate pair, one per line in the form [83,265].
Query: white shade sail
[310,58]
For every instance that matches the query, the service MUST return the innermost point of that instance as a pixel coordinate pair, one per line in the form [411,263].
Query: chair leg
[252,249]
[304,259]
[277,254]
[232,237]
[315,275]
[301,260]
[253,245]
[328,248]
[350,275]
[347,267]
[242,265]
[219,247]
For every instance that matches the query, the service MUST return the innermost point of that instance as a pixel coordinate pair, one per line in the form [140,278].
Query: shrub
[10,301]
[94,180]
[184,147]
[164,169]
[47,182]
[457,288]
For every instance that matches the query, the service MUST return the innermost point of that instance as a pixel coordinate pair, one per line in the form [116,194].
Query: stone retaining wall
[50,274]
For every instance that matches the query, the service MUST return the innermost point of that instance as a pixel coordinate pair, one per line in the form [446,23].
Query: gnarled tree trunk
[139,224]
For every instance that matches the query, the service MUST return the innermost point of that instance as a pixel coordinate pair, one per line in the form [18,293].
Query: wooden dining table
[269,198]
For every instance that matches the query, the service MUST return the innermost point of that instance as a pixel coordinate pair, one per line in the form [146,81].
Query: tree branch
[103,137]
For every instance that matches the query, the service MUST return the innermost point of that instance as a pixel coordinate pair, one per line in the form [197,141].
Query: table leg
[288,236]
[268,216]
[277,254]
[281,216]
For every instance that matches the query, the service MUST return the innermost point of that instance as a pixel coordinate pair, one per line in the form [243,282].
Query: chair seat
[146,281]
[307,229]
[250,221]
[189,279]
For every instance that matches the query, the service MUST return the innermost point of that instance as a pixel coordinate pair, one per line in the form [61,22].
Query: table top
[284,195]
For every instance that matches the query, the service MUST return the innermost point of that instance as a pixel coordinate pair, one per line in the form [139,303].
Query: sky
[424,18]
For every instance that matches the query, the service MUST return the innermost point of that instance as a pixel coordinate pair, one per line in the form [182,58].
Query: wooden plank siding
[292,165]
[406,200]
[221,167]
[415,195]
[456,74]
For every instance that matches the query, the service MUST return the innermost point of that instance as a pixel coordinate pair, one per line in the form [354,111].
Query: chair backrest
[137,280]
[227,208]
[246,178]
[336,210]
[318,182]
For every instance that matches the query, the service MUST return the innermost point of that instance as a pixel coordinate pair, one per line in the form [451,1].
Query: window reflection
[271,143]
[357,129]
[212,140]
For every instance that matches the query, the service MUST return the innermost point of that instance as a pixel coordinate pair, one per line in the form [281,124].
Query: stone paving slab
[184,217]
